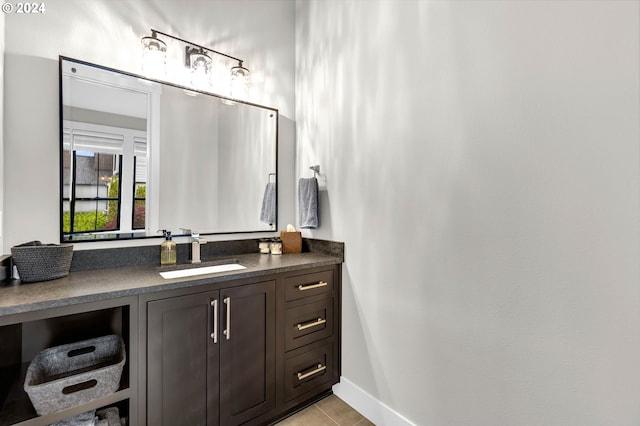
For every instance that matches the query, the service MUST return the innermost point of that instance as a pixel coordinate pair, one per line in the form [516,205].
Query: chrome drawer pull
[319,321]
[320,369]
[312,286]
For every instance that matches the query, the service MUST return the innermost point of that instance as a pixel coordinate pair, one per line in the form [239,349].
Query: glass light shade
[240,79]
[154,57]
[200,69]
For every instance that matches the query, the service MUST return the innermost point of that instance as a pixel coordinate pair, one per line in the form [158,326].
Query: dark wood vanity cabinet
[309,306]
[211,356]
[182,382]
[248,354]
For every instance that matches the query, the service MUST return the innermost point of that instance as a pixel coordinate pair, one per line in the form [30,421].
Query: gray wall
[480,161]
[108,33]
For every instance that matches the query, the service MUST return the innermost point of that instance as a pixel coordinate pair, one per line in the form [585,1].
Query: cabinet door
[182,361]
[247,352]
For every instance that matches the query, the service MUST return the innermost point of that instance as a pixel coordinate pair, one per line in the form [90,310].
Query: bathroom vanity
[244,346]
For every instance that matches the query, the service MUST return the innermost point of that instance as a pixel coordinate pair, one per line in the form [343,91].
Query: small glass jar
[276,246]
[264,245]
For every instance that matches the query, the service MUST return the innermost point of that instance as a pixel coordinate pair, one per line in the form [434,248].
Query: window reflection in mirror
[98,162]
[139,156]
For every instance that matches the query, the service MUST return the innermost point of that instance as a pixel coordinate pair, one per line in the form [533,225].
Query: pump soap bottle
[168,250]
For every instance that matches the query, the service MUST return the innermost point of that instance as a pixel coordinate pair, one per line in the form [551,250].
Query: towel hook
[316,170]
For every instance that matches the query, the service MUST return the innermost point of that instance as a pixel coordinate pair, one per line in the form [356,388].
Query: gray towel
[308,202]
[268,211]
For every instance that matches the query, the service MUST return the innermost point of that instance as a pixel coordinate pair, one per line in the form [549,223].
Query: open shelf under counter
[27,334]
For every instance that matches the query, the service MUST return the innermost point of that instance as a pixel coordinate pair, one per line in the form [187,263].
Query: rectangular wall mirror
[139,155]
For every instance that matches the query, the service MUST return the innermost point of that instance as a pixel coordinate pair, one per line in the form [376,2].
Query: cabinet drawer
[308,285]
[309,370]
[308,323]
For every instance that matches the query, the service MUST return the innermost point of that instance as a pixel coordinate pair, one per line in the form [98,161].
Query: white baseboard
[374,410]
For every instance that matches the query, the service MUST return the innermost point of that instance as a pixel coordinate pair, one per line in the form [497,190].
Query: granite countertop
[102,284]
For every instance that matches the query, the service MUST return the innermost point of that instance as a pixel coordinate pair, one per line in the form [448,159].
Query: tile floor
[330,411]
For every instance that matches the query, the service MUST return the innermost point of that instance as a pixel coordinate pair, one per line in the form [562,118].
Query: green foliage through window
[112,210]
[139,207]
[84,222]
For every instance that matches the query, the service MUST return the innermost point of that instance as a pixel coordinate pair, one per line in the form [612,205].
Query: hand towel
[268,211]
[308,202]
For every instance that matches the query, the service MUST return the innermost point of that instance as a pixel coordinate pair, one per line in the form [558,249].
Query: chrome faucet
[196,241]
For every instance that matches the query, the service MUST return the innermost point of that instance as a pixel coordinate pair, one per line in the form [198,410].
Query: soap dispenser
[168,250]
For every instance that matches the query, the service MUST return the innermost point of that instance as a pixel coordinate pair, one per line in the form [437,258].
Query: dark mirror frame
[116,236]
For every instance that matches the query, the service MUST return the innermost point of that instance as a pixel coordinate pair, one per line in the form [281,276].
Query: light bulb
[154,56]
[240,79]
[200,70]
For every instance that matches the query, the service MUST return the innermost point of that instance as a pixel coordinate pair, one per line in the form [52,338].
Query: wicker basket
[42,262]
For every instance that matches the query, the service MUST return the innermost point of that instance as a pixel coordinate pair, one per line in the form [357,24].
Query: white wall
[480,160]
[1,130]
[108,33]
[246,157]
[189,173]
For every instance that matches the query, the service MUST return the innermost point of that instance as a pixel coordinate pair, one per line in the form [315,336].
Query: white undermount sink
[193,271]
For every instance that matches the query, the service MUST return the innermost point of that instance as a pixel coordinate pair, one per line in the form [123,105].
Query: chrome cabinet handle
[314,323]
[214,335]
[317,370]
[227,331]
[312,286]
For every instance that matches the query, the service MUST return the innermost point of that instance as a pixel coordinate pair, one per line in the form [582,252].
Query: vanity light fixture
[199,59]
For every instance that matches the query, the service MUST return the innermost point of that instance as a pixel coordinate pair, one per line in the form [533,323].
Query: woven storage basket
[42,262]
[69,375]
